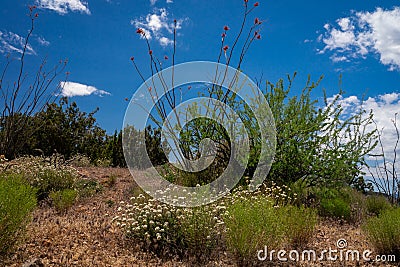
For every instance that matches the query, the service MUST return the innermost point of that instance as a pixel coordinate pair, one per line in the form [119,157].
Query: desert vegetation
[59,169]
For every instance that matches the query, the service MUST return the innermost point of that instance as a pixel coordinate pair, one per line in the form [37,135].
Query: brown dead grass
[85,236]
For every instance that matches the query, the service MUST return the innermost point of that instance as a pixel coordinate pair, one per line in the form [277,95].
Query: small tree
[317,145]
[65,129]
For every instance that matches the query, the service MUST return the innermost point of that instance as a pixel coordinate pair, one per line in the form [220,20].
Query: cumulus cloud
[64,6]
[70,89]
[11,42]
[158,25]
[365,33]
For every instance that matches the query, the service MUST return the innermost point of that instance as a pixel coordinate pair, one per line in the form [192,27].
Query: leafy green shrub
[170,231]
[17,201]
[64,199]
[384,232]
[310,144]
[377,204]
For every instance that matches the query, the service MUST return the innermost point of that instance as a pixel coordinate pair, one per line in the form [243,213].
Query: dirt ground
[85,236]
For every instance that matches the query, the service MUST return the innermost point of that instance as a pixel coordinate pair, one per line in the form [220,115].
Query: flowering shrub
[45,174]
[167,230]
[277,195]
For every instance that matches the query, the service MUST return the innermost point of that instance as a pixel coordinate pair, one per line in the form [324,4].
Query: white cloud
[365,33]
[64,6]
[345,24]
[43,41]
[336,58]
[164,41]
[11,42]
[70,89]
[158,25]
[170,1]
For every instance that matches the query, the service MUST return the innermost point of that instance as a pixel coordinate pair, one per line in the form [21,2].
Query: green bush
[64,199]
[377,204]
[310,144]
[384,232]
[335,207]
[253,223]
[344,203]
[17,201]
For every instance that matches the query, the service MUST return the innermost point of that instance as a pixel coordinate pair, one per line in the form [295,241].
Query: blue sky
[358,39]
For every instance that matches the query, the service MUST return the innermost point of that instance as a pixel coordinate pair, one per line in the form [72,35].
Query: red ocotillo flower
[226,28]
[139,31]
[258,37]
[223,35]
[256,4]
[257,21]
[166,57]
[150,52]
[225,48]
[132,58]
